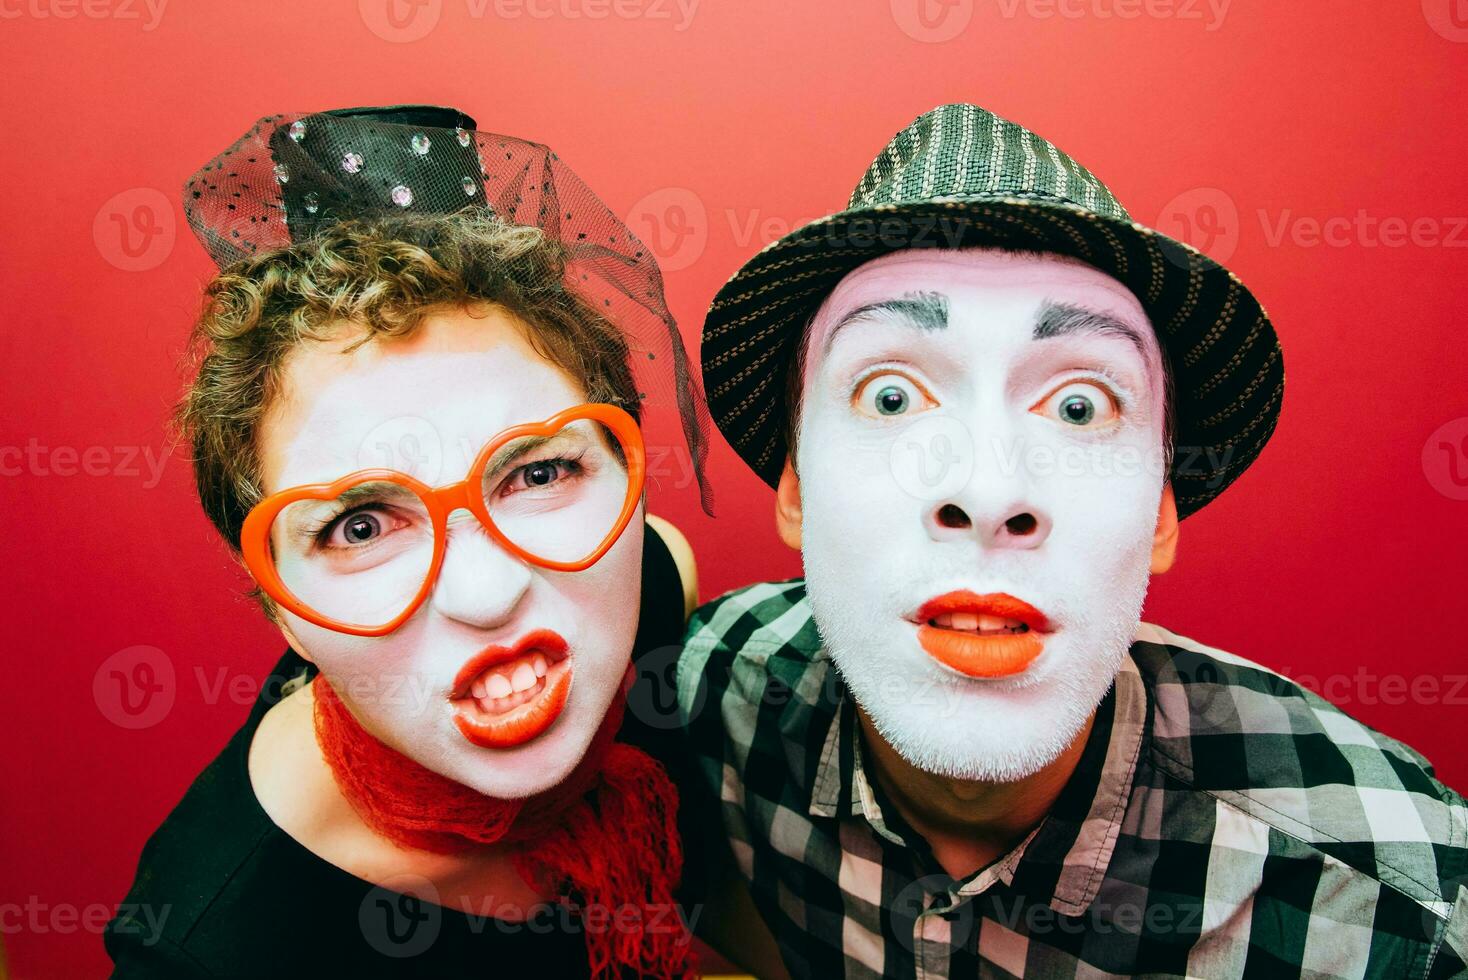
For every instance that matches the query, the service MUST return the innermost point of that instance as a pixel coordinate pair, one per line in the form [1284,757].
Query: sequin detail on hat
[351,164]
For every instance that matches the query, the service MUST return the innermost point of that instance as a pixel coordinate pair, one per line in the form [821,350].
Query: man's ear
[1164,539]
[787,506]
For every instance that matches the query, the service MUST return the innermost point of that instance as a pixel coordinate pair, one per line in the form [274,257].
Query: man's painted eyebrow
[1060,319]
[926,311]
[929,311]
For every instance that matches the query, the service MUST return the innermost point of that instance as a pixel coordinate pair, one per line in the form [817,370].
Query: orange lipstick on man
[991,635]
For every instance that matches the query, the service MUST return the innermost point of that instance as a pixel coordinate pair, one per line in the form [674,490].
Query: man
[986,398]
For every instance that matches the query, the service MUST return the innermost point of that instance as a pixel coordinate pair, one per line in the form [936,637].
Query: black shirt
[221,891]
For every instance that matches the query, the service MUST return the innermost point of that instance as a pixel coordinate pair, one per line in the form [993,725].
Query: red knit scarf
[604,838]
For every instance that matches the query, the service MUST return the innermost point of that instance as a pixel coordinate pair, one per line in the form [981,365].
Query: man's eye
[886,395]
[1079,403]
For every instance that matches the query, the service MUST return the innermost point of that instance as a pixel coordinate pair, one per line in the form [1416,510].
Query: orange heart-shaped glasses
[440,502]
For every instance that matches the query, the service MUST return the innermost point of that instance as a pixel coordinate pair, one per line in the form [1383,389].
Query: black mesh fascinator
[293,175]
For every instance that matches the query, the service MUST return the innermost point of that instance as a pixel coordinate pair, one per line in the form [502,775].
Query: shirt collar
[1067,855]
[825,797]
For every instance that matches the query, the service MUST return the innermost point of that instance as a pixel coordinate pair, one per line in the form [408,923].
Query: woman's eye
[1080,404]
[540,474]
[360,527]
[886,395]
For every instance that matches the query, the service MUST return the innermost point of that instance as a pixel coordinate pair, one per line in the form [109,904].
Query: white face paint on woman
[429,402]
[977,428]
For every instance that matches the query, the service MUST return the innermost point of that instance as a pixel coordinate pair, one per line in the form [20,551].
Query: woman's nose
[479,583]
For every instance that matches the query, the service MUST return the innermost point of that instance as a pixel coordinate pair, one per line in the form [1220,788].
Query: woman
[416,419]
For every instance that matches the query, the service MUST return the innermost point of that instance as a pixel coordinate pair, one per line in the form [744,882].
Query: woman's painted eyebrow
[301,518]
[513,450]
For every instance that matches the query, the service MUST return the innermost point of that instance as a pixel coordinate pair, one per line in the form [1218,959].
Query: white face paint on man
[978,424]
[431,401]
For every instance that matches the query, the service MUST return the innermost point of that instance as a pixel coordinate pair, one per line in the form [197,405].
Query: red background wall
[1339,556]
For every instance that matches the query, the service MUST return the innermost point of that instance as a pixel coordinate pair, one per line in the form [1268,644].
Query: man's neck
[968,823]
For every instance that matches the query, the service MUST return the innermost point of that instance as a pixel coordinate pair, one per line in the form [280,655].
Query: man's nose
[479,582]
[1000,505]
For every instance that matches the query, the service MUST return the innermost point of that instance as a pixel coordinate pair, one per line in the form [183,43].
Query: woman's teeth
[978,623]
[508,685]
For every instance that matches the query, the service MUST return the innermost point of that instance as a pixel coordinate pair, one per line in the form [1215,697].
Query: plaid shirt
[1222,822]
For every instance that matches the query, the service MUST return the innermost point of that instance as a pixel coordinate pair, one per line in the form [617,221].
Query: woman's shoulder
[216,856]
[669,589]
[212,832]
[222,890]
[681,553]
[652,722]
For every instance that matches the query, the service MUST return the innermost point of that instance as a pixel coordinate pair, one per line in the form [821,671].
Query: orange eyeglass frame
[441,502]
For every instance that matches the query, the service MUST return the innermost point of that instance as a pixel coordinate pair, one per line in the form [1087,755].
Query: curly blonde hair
[383,274]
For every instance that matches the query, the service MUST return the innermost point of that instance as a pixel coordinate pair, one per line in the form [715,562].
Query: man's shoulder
[1203,693]
[756,620]
[1257,741]
[753,669]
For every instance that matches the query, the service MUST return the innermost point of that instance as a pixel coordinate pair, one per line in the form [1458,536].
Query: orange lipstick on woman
[506,696]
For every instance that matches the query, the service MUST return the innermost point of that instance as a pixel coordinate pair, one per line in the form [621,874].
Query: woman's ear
[291,639]
[787,506]
[1164,539]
